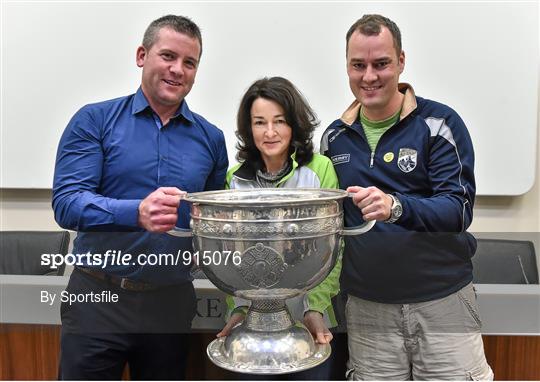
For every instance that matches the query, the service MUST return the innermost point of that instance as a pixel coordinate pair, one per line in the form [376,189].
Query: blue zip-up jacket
[426,160]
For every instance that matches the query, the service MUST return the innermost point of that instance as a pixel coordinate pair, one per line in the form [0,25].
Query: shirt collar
[247,172]
[140,103]
[409,105]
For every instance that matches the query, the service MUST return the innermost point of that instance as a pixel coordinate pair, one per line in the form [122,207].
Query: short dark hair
[371,25]
[179,24]
[298,114]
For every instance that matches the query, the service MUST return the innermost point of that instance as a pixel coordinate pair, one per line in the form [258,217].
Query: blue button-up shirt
[110,157]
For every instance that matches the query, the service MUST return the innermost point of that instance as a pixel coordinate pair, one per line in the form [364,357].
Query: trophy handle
[358,230]
[180,232]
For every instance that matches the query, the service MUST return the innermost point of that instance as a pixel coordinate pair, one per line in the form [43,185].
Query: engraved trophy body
[288,241]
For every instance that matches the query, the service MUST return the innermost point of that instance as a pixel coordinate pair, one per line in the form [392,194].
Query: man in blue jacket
[121,169]
[411,310]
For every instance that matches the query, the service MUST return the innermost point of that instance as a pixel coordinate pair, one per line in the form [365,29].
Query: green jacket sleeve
[234,307]
[324,169]
[229,177]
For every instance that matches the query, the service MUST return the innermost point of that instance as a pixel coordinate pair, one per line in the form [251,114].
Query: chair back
[21,251]
[505,262]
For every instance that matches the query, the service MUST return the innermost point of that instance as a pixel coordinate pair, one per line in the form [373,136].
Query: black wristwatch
[395,211]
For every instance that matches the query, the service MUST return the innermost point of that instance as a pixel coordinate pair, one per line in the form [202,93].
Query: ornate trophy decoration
[286,242]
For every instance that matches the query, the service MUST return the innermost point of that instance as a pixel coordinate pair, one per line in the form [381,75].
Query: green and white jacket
[318,173]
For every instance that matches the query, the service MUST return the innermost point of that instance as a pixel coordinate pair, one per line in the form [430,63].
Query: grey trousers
[437,339]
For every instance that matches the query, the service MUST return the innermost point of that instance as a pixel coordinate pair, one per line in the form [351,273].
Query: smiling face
[271,133]
[373,67]
[169,69]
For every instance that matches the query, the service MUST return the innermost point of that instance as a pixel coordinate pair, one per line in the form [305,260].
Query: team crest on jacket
[407,159]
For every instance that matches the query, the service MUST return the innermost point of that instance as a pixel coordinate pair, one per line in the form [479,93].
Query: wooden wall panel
[514,357]
[31,352]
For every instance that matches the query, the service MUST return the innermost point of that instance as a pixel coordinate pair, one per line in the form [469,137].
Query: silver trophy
[268,245]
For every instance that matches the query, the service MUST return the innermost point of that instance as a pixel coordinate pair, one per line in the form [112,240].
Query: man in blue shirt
[122,167]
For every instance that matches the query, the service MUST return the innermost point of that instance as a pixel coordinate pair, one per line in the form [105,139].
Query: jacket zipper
[372,156]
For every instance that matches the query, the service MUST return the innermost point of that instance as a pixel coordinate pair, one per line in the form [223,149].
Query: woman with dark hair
[275,149]
[296,120]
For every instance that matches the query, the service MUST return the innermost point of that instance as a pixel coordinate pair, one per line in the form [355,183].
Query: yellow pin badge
[388,157]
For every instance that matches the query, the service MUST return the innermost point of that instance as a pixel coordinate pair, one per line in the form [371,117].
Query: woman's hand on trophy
[236,318]
[314,322]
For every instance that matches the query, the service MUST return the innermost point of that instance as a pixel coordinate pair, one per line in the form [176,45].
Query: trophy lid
[266,196]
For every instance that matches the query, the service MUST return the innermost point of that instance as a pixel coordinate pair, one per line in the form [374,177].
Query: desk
[29,329]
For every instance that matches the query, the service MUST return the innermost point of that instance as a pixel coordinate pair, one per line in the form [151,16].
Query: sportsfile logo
[341,158]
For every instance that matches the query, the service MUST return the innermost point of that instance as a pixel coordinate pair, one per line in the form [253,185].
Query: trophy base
[283,352]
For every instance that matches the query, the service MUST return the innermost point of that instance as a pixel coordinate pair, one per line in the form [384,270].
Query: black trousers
[147,330]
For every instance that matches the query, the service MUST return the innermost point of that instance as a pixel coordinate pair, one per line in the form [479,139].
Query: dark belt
[122,282]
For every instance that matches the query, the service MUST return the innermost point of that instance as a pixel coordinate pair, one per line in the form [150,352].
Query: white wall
[26,209]
[476,57]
